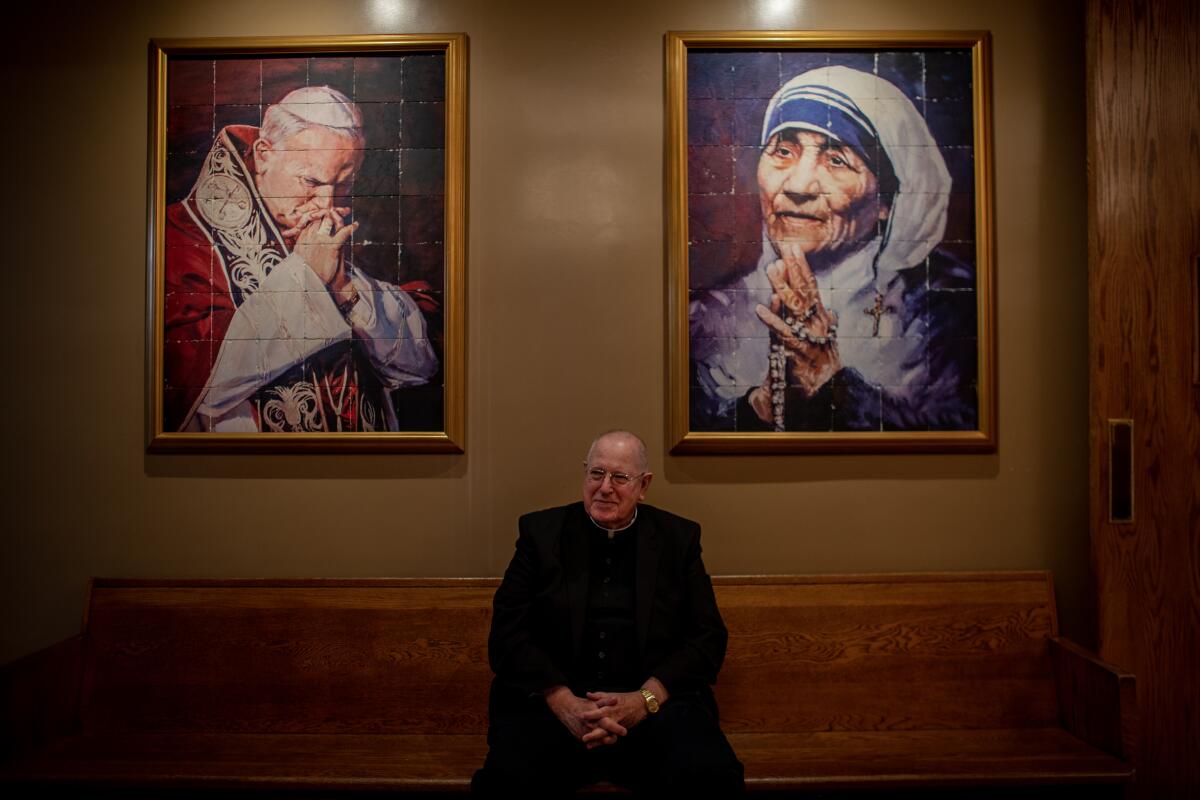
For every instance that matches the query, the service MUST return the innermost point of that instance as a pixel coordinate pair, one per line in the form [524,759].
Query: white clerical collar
[614,531]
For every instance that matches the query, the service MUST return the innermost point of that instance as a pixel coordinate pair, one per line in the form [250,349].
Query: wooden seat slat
[845,759]
[815,760]
[403,762]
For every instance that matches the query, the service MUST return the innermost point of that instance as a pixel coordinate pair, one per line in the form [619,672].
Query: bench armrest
[39,696]
[1097,701]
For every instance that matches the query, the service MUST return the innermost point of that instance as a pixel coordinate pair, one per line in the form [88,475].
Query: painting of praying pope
[301,281]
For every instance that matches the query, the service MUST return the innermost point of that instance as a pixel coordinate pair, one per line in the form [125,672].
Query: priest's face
[819,193]
[614,481]
[305,172]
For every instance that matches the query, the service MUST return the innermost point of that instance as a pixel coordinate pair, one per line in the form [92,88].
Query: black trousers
[680,750]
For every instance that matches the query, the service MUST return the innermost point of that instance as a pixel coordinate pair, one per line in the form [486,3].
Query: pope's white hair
[312,107]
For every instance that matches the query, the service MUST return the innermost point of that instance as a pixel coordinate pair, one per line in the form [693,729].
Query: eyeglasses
[596,475]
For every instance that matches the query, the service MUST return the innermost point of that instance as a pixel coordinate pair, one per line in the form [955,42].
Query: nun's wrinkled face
[819,193]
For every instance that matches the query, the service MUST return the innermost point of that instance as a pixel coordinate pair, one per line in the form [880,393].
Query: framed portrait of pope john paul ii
[306,243]
[829,242]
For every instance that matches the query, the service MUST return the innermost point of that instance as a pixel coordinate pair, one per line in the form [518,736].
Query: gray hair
[639,446]
[312,107]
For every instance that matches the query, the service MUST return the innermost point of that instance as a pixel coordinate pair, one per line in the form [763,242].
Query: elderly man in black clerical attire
[605,640]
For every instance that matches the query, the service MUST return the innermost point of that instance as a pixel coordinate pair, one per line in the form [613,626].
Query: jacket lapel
[647,572]
[575,569]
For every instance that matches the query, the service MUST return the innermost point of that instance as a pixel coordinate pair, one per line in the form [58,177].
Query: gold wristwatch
[651,701]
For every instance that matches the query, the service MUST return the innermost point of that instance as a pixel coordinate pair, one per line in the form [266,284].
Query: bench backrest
[322,656]
[410,656]
[880,652]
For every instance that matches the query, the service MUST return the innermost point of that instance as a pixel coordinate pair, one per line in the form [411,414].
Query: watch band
[347,305]
[651,701]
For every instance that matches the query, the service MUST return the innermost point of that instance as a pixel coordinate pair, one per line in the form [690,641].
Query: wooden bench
[340,686]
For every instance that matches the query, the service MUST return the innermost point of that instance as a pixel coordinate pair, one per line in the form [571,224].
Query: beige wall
[566,320]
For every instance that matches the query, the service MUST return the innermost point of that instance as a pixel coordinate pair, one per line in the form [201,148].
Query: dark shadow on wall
[409,466]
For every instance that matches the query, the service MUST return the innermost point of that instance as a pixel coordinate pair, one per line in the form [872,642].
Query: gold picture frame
[307,244]
[758,126]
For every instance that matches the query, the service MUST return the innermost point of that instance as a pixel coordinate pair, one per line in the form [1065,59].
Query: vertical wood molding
[1143,64]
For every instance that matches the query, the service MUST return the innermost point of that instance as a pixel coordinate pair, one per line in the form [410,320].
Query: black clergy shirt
[609,651]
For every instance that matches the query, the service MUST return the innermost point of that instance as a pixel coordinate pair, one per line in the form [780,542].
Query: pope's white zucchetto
[308,106]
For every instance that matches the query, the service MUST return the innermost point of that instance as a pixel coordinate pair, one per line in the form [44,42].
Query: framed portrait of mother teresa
[829,242]
[306,243]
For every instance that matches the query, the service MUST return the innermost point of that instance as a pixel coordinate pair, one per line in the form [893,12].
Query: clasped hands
[320,233]
[801,323]
[600,718]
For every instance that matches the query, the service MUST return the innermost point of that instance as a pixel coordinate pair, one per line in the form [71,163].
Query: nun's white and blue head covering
[877,121]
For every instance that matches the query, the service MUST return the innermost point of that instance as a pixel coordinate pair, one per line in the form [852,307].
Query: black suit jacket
[539,609]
